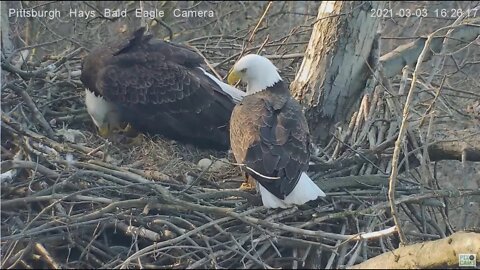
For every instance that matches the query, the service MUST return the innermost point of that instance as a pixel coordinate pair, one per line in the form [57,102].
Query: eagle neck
[277,86]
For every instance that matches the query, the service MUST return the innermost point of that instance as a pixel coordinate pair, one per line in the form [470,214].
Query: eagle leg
[249,184]
[131,132]
[105,131]
[109,129]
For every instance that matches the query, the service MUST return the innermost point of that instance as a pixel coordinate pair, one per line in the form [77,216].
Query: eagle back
[269,134]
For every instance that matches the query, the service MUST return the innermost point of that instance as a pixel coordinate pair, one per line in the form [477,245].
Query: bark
[7,44]
[432,254]
[455,150]
[334,70]
[407,54]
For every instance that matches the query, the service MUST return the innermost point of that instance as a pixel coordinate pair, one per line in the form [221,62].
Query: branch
[407,54]
[420,256]
[453,150]
[35,112]
[17,164]
[358,181]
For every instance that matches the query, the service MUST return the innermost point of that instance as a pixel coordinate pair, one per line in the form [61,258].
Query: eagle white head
[256,71]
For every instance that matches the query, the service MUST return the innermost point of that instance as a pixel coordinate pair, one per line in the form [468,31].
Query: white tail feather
[237,95]
[305,190]
[269,200]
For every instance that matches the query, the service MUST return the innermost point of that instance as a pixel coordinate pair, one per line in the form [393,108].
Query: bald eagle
[269,135]
[157,87]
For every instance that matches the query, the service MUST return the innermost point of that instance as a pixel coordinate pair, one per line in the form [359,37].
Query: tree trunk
[440,253]
[334,70]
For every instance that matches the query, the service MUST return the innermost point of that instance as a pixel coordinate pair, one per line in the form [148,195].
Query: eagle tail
[269,200]
[305,190]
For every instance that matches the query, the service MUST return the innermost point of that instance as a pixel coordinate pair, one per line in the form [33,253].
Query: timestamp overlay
[425,12]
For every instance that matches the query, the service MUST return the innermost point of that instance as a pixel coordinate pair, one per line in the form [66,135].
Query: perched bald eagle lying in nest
[269,135]
[157,87]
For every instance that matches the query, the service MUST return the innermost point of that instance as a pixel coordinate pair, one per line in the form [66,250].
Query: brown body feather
[159,88]
[269,134]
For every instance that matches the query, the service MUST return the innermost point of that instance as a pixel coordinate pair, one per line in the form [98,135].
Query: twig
[254,31]
[259,21]
[46,255]
[153,247]
[35,112]
[208,63]
[17,164]
[403,130]
[136,231]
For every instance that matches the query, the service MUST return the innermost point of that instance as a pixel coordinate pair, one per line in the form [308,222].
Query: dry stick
[98,213]
[404,199]
[259,253]
[211,37]
[17,164]
[14,126]
[256,28]
[77,198]
[334,253]
[138,231]
[46,255]
[426,156]
[245,253]
[179,231]
[208,63]
[155,246]
[89,247]
[239,54]
[162,190]
[36,113]
[437,61]
[260,21]
[225,233]
[9,260]
[402,132]
[225,193]
[357,248]
[464,183]
[304,232]
[431,105]
[263,45]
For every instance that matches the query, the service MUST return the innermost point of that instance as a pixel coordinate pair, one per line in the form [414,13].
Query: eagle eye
[243,70]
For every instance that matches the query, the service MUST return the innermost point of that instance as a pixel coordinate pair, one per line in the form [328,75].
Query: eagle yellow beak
[233,77]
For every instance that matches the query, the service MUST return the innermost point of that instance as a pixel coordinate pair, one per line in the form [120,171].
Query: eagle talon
[248,185]
[130,131]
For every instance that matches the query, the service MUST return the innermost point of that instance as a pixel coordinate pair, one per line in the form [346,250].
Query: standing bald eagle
[269,135]
[160,88]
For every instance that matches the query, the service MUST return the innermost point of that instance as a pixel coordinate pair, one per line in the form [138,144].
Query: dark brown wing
[269,134]
[137,42]
[165,98]
[160,89]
